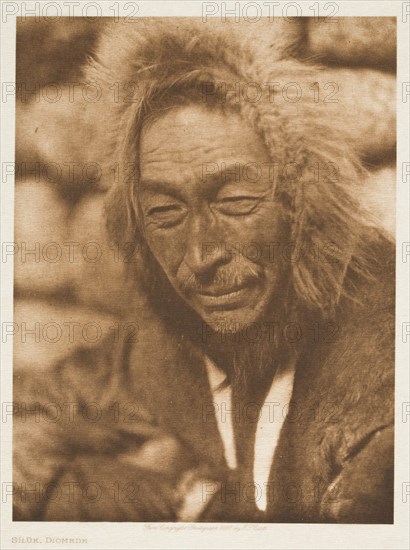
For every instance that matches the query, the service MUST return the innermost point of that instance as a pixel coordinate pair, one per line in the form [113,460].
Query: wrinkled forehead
[187,138]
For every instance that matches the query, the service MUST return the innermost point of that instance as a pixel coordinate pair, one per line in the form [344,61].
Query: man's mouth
[224,298]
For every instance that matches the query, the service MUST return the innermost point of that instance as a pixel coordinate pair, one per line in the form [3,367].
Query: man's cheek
[258,227]
[168,253]
[260,240]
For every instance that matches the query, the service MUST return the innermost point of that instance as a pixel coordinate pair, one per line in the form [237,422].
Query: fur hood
[319,204]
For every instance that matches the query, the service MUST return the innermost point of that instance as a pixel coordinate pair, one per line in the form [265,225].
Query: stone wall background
[70,287]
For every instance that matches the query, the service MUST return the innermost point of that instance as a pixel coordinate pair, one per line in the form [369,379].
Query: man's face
[205,196]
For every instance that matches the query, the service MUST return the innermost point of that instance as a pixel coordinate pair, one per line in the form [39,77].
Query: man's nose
[204,249]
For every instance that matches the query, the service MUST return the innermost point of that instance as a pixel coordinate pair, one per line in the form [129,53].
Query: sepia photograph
[204,268]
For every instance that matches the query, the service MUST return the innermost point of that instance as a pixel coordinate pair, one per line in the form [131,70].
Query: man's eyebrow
[217,175]
[159,186]
[227,173]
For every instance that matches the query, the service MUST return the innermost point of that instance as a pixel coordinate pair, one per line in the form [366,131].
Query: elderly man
[260,387]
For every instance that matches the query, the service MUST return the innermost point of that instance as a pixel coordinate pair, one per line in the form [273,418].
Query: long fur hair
[154,64]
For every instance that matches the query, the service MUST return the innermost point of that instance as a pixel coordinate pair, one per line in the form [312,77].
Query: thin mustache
[221,280]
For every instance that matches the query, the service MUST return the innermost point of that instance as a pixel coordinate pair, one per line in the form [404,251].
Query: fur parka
[131,444]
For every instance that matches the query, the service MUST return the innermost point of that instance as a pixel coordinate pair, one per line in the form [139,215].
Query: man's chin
[231,321]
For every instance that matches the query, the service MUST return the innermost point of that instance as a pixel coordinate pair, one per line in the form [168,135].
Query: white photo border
[23,535]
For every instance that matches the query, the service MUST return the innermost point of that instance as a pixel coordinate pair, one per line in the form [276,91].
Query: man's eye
[166,215]
[238,206]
